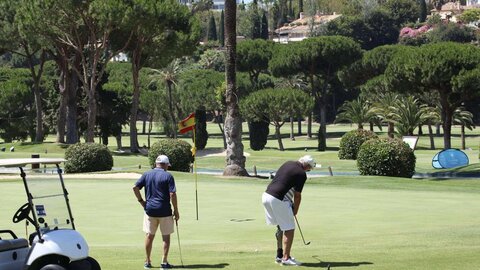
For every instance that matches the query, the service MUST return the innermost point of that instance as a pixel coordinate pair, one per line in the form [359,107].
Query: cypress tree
[201,133]
[212,29]
[423,10]
[258,134]
[221,30]
[264,28]
[256,22]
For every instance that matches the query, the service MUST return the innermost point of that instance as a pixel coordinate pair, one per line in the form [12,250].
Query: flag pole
[195,171]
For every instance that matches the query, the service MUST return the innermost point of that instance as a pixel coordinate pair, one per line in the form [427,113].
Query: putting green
[352,223]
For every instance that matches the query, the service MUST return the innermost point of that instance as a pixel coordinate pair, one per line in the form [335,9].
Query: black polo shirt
[290,174]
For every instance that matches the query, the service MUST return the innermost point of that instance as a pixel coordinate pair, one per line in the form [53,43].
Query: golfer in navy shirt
[159,192]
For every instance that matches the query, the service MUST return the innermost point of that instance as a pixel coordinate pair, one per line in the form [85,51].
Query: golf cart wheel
[53,267]
[94,265]
[85,264]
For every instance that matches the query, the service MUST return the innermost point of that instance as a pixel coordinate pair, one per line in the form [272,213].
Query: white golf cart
[55,244]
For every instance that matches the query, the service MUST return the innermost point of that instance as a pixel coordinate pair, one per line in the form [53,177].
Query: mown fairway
[355,222]
[352,223]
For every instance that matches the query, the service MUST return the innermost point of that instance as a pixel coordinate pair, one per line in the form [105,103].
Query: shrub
[178,152]
[258,134]
[88,157]
[351,142]
[389,157]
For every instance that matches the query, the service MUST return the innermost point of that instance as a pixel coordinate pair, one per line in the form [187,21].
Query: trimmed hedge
[201,133]
[178,152]
[259,131]
[88,157]
[351,142]
[388,157]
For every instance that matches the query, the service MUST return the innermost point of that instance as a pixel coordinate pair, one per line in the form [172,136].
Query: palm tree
[385,106]
[410,114]
[465,119]
[233,122]
[358,111]
[168,75]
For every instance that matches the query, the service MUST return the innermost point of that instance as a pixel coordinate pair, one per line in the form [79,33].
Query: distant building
[451,10]
[300,29]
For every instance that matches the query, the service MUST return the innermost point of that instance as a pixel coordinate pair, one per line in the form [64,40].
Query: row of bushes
[92,157]
[389,157]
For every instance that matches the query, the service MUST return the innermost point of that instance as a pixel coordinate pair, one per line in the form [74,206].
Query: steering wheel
[22,213]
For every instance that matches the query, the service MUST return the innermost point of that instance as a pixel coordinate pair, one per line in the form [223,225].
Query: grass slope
[352,222]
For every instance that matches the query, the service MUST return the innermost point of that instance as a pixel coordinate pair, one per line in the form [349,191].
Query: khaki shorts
[151,224]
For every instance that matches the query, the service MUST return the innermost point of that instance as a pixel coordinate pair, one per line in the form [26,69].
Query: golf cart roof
[21,162]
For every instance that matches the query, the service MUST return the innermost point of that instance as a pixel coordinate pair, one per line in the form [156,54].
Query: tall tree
[162,30]
[451,69]
[169,75]
[275,106]
[264,28]
[20,40]
[253,57]
[86,28]
[423,10]
[221,29]
[233,123]
[212,29]
[255,20]
[319,59]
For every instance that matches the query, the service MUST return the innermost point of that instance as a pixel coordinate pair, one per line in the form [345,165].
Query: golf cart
[55,244]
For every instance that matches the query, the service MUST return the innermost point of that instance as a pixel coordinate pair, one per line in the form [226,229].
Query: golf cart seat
[12,244]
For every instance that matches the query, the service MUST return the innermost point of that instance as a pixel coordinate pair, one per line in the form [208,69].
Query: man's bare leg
[148,246]
[287,243]
[166,247]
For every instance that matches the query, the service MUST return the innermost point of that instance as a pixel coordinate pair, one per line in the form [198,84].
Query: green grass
[360,222]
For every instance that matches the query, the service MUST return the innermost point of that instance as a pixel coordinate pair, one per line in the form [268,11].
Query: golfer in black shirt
[282,200]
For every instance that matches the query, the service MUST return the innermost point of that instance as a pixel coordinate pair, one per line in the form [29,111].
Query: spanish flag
[187,124]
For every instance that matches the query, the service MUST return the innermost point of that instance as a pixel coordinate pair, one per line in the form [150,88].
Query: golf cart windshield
[46,195]
[49,203]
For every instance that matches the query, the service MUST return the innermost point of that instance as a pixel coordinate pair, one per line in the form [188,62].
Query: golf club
[300,230]
[178,238]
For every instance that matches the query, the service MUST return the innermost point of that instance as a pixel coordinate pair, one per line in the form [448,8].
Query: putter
[179,249]
[300,230]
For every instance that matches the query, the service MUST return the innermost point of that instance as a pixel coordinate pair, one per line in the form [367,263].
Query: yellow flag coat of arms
[187,124]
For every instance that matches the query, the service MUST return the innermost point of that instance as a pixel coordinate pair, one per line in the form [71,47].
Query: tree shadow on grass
[199,266]
[332,265]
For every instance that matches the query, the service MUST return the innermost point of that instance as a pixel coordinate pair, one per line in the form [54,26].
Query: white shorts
[151,224]
[278,212]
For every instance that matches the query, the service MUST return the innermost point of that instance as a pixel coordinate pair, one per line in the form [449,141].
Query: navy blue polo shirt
[158,186]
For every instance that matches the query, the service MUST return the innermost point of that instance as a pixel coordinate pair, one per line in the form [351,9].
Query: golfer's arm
[137,193]
[173,198]
[297,199]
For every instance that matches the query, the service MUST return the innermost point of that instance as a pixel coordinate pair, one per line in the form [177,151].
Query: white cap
[162,159]
[308,160]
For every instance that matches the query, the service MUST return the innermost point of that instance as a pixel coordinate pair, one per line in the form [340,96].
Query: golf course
[351,221]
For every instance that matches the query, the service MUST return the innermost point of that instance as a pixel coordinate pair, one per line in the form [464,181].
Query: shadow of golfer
[334,264]
[198,266]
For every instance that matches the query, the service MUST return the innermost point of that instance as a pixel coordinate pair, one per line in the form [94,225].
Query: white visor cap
[308,160]
[162,159]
